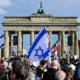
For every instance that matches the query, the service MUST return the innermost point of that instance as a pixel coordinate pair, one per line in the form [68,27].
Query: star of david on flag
[39,49]
[39,52]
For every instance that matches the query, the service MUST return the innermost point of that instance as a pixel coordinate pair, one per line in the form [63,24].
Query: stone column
[50,42]
[19,42]
[59,39]
[31,37]
[72,47]
[6,43]
[76,44]
[62,43]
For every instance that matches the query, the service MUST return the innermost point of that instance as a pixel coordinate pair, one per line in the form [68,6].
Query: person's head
[60,75]
[70,71]
[28,62]
[17,58]
[11,59]
[67,61]
[71,66]
[2,70]
[2,58]
[20,69]
[55,64]
[43,63]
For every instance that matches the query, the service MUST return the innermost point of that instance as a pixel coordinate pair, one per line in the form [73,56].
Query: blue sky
[27,7]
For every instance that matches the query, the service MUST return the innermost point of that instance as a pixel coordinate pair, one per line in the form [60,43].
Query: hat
[75,57]
[72,66]
[3,58]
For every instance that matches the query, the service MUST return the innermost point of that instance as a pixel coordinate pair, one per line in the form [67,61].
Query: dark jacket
[50,74]
[39,72]
[77,72]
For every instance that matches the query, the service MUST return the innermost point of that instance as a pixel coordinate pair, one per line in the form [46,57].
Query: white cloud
[5,3]
[2,11]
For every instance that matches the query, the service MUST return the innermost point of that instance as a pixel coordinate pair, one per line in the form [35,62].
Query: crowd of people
[20,68]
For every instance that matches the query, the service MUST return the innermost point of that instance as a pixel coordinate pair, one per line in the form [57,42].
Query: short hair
[20,69]
[60,75]
[43,62]
[54,63]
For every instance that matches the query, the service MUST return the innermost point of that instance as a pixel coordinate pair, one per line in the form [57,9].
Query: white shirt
[10,65]
[5,64]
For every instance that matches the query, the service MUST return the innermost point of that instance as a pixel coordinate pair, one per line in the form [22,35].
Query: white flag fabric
[39,49]
[1,41]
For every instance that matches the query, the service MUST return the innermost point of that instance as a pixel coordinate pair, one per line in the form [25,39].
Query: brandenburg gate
[32,24]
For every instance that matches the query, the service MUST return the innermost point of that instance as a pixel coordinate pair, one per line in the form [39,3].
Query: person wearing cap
[2,70]
[3,58]
[7,69]
[70,72]
[5,63]
[72,67]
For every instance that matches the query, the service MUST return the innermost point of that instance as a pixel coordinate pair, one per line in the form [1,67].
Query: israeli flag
[1,41]
[39,49]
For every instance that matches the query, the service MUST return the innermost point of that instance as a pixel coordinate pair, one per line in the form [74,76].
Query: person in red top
[2,71]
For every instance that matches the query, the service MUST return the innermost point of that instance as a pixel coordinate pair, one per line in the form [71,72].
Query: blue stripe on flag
[46,54]
[2,46]
[2,36]
[36,41]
